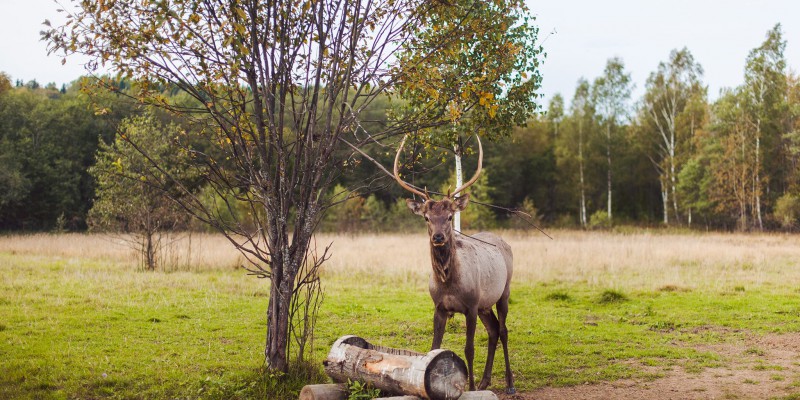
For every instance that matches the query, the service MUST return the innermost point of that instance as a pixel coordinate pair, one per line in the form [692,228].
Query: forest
[592,159]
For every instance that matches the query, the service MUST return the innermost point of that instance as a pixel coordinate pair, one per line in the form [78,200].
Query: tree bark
[608,158]
[439,374]
[278,322]
[665,201]
[324,392]
[459,182]
[584,222]
[757,188]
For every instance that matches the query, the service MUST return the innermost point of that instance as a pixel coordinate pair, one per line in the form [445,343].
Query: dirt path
[762,367]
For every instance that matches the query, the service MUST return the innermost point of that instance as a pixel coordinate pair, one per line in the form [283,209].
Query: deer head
[438,214]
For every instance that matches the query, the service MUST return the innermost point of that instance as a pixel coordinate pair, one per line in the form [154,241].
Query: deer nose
[438,238]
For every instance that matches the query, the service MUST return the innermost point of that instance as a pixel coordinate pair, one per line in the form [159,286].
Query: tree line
[671,158]
[597,159]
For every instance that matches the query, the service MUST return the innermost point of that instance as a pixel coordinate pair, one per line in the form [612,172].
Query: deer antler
[403,184]
[477,173]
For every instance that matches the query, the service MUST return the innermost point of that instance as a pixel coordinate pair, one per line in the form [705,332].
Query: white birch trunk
[665,201]
[584,222]
[757,188]
[608,158]
[459,182]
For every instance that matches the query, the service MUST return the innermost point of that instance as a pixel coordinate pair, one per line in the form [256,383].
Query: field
[592,315]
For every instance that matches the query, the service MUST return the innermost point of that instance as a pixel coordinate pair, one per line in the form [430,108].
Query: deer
[470,274]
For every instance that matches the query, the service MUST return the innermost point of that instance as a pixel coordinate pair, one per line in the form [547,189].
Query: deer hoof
[511,390]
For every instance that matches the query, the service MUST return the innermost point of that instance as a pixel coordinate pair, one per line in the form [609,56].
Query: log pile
[436,375]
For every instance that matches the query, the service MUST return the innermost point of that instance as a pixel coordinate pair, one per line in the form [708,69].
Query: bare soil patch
[756,367]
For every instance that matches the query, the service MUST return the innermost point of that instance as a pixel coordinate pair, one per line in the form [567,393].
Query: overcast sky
[578,36]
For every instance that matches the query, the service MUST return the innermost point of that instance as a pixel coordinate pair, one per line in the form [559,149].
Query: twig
[518,213]
[474,238]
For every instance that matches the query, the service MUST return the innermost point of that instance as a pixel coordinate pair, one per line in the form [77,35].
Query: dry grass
[198,251]
[644,260]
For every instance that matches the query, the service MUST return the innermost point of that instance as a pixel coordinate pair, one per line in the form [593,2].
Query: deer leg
[439,323]
[493,329]
[502,312]
[469,348]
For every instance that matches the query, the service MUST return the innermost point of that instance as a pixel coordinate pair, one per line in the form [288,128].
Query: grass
[77,320]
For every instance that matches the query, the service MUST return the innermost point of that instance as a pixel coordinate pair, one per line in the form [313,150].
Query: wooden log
[400,398]
[330,391]
[478,395]
[437,375]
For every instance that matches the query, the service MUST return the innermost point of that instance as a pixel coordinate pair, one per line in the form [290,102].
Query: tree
[580,110]
[127,197]
[459,79]
[765,88]
[668,92]
[791,139]
[280,88]
[555,112]
[47,141]
[5,82]
[554,115]
[733,159]
[610,94]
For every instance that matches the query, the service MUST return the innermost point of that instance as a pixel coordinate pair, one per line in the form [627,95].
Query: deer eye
[450,218]
[426,218]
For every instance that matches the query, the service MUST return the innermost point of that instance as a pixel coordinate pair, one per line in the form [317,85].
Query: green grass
[85,329]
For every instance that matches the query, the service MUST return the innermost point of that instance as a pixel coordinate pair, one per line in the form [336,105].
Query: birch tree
[610,95]
[733,166]
[765,88]
[668,92]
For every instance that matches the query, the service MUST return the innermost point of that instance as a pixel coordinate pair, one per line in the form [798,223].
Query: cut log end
[446,376]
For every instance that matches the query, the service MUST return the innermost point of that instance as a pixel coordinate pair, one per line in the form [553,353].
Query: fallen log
[328,391]
[437,375]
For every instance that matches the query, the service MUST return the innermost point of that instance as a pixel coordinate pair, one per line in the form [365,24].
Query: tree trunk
[278,319]
[673,184]
[150,251]
[757,188]
[608,158]
[584,222]
[665,201]
[459,182]
[690,217]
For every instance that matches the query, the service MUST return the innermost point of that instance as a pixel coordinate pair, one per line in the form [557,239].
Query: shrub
[599,220]
[612,296]
[787,210]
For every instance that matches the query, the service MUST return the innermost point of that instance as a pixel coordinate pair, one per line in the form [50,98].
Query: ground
[756,367]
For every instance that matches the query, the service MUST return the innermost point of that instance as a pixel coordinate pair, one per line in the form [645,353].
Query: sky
[578,37]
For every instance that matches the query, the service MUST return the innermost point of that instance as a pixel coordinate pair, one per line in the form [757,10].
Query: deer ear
[460,203]
[415,206]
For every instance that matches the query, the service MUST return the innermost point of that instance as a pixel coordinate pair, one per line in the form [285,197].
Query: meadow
[588,310]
